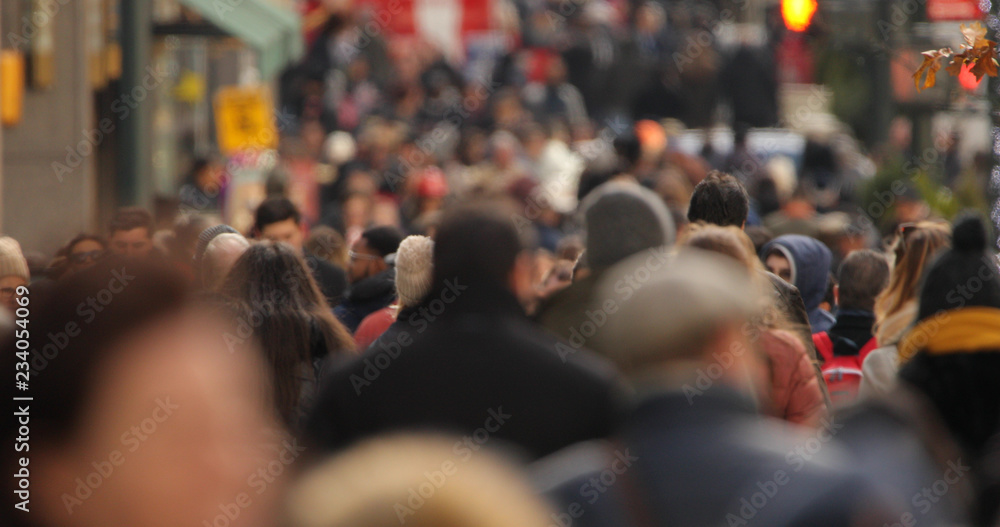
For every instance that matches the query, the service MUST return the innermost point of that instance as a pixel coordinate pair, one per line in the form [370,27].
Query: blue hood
[810,262]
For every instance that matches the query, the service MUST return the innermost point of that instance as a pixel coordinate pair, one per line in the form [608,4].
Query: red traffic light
[798,14]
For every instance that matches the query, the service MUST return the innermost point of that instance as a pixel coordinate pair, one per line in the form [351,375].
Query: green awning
[274,32]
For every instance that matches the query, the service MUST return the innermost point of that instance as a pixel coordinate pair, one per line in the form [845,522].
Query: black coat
[474,366]
[365,297]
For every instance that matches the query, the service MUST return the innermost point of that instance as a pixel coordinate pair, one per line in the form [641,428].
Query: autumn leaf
[973,34]
[977,50]
[930,66]
[985,63]
[957,63]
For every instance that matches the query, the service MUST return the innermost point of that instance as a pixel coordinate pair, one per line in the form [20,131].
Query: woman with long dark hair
[277,302]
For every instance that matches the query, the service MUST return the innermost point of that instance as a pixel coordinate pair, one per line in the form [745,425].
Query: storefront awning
[274,32]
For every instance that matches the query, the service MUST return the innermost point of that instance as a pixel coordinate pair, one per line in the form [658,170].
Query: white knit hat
[12,262]
[414,263]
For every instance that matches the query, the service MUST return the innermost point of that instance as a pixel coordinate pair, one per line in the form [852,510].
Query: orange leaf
[957,62]
[985,64]
[930,66]
[973,34]
[932,75]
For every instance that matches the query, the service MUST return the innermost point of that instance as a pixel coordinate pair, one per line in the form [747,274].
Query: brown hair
[270,288]
[913,251]
[328,244]
[129,218]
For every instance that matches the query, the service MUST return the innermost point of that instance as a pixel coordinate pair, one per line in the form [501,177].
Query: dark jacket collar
[460,296]
[374,287]
[852,331]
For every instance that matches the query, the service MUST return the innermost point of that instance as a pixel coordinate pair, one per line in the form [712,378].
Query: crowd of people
[655,369]
[502,296]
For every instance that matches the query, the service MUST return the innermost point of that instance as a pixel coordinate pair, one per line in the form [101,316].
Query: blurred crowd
[656,368]
[502,295]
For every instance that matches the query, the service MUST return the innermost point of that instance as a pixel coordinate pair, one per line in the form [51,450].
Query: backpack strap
[867,348]
[824,346]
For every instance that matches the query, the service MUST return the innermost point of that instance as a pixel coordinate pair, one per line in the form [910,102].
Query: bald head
[220,256]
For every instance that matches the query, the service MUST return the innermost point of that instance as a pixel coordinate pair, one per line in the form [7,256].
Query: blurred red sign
[402,17]
[943,10]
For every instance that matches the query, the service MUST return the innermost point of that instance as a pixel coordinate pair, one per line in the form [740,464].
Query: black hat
[963,276]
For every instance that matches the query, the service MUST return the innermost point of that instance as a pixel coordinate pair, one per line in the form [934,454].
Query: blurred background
[210,105]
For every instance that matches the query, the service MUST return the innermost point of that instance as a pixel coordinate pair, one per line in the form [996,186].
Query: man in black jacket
[469,362]
[373,280]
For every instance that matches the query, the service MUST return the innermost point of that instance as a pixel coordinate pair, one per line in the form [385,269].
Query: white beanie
[414,263]
[12,262]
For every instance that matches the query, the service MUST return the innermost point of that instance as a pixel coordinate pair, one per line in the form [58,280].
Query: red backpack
[842,373]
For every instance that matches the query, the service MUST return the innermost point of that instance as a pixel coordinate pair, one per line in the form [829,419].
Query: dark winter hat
[623,219]
[207,236]
[963,276]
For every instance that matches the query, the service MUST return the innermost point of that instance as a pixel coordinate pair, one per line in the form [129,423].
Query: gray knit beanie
[623,219]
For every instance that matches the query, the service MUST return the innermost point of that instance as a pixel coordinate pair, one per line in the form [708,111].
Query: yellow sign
[244,119]
[11,87]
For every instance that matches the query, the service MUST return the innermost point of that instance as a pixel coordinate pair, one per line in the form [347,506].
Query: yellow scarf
[963,330]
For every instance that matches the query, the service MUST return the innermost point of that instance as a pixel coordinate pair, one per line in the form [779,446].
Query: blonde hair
[417,481]
[913,251]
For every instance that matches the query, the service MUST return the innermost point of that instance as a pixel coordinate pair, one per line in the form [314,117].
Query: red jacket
[373,326]
[796,395]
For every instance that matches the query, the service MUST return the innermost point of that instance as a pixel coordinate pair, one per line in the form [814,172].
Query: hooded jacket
[810,263]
